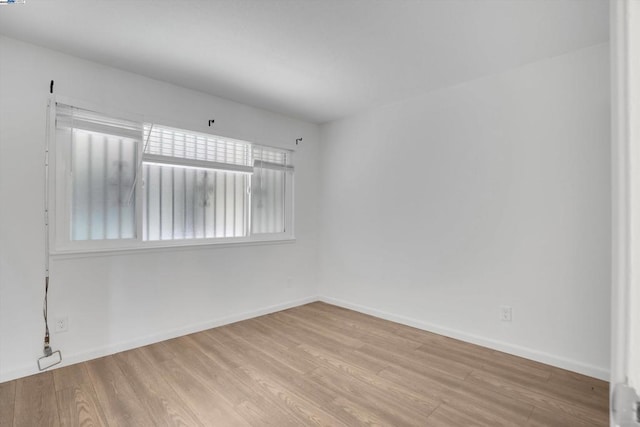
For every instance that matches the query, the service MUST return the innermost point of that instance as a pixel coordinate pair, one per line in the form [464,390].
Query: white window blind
[165,145]
[101,172]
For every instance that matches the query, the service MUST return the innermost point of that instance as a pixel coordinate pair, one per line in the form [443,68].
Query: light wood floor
[311,365]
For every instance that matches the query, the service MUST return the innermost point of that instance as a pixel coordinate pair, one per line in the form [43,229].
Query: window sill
[164,246]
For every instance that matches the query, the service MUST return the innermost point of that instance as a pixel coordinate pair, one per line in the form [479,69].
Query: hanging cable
[50,358]
[135,180]
[47,348]
[45,305]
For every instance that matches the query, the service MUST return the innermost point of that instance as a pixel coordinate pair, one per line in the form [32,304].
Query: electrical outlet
[505,313]
[61,324]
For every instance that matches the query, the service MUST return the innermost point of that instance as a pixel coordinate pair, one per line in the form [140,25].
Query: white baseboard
[560,362]
[528,353]
[71,359]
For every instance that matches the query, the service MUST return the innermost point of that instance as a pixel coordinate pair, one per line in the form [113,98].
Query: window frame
[60,197]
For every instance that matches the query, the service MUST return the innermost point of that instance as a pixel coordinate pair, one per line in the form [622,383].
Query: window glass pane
[267,208]
[102,185]
[189,203]
[191,185]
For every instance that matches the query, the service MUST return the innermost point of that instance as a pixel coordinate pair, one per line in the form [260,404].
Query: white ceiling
[314,59]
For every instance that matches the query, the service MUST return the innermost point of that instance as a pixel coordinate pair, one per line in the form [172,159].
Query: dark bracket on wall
[298,141]
[51,87]
[211,121]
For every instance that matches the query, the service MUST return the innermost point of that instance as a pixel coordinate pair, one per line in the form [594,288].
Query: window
[124,183]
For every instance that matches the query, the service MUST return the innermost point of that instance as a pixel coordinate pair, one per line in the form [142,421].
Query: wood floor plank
[562,375]
[360,324]
[224,382]
[515,371]
[70,376]
[375,337]
[430,339]
[307,408]
[489,361]
[476,356]
[357,415]
[505,361]
[7,402]
[418,361]
[264,344]
[251,357]
[263,374]
[158,352]
[255,330]
[7,393]
[359,358]
[194,376]
[433,385]
[543,418]
[303,334]
[445,416]
[541,399]
[371,321]
[311,365]
[78,405]
[295,337]
[320,398]
[246,353]
[341,338]
[383,406]
[208,345]
[280,382]
[119,402]
[162,403]
[586,386]
[487,406]
[330,361]
[210,408]
[563,391]
[462,355]
[36,403]
[275,334]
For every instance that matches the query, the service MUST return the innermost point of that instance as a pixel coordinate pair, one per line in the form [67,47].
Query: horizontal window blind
[69,117]
[271,158]
[171,146]
[164,145]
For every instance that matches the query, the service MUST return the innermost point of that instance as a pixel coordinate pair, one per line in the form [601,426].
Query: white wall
[434,212]
[441,208]
[119,301]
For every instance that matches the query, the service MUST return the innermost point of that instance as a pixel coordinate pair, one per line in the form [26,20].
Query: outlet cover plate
[505,313]
[61,324]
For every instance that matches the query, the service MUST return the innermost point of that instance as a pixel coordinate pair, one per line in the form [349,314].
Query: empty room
[332,212]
